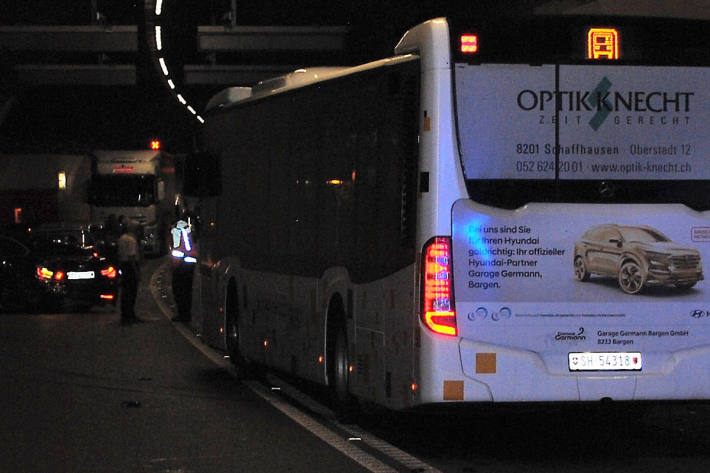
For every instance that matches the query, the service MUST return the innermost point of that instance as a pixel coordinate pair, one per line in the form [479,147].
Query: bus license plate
[605,361]
[80,275]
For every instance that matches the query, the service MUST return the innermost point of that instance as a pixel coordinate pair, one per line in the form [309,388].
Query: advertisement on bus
[584,122]
[575,268]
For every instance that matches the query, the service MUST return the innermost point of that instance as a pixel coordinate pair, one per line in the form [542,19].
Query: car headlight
[658,258]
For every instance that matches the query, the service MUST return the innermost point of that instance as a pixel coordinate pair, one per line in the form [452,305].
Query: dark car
[37,273]
[638,256]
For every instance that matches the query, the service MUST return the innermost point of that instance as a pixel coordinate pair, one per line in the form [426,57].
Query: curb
[161,292]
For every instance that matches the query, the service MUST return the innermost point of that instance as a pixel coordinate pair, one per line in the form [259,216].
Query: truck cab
[139,185]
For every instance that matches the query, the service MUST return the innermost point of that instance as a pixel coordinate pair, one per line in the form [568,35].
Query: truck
[138,185]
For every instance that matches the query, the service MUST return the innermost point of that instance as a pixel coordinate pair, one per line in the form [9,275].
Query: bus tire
[345,403]
[233,334]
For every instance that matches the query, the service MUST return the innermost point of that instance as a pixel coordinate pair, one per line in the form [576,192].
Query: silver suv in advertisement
[638,256]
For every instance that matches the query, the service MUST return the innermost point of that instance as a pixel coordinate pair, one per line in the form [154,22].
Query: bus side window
[202,175]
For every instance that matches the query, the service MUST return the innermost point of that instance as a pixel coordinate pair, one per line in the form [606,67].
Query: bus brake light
[469,43]
[437,312]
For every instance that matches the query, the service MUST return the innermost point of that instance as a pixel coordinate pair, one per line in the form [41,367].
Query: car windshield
[642,235]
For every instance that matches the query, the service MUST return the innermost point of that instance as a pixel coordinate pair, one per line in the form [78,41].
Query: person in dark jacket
[129,264]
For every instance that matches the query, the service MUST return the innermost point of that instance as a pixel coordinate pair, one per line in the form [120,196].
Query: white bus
[501,212]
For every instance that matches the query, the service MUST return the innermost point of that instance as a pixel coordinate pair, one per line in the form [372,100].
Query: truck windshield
[134,190]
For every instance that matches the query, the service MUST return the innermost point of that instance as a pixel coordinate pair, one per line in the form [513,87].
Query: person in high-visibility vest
[184,257]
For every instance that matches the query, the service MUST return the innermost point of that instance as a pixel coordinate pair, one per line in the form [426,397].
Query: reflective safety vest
[183,247]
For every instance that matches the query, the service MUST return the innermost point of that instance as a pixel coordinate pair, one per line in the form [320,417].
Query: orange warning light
[603,43]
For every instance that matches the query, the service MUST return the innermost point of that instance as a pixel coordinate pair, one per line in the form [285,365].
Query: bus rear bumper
[493,373]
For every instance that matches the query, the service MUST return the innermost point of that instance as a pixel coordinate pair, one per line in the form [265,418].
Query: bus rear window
[584,133]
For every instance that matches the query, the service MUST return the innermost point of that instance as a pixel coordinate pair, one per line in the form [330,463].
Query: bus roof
[294,80]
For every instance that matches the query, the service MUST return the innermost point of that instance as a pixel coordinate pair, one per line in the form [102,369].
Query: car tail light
[109,272]
[108,297]
[45,273]
[437,311]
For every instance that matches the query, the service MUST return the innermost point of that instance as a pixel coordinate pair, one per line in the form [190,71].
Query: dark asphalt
[81,393]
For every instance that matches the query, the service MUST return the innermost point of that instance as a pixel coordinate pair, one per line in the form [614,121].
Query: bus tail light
[469,43]
[109,272]
[437,311]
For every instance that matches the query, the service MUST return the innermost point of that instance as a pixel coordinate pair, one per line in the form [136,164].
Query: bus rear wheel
[233,334]
[345,403]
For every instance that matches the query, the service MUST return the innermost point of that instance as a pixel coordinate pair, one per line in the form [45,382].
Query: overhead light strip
[158,38]
[164,66]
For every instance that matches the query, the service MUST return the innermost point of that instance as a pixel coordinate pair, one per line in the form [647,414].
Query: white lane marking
[400,456]
[319,430]
[186,332]
[354,432]
[345,446]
